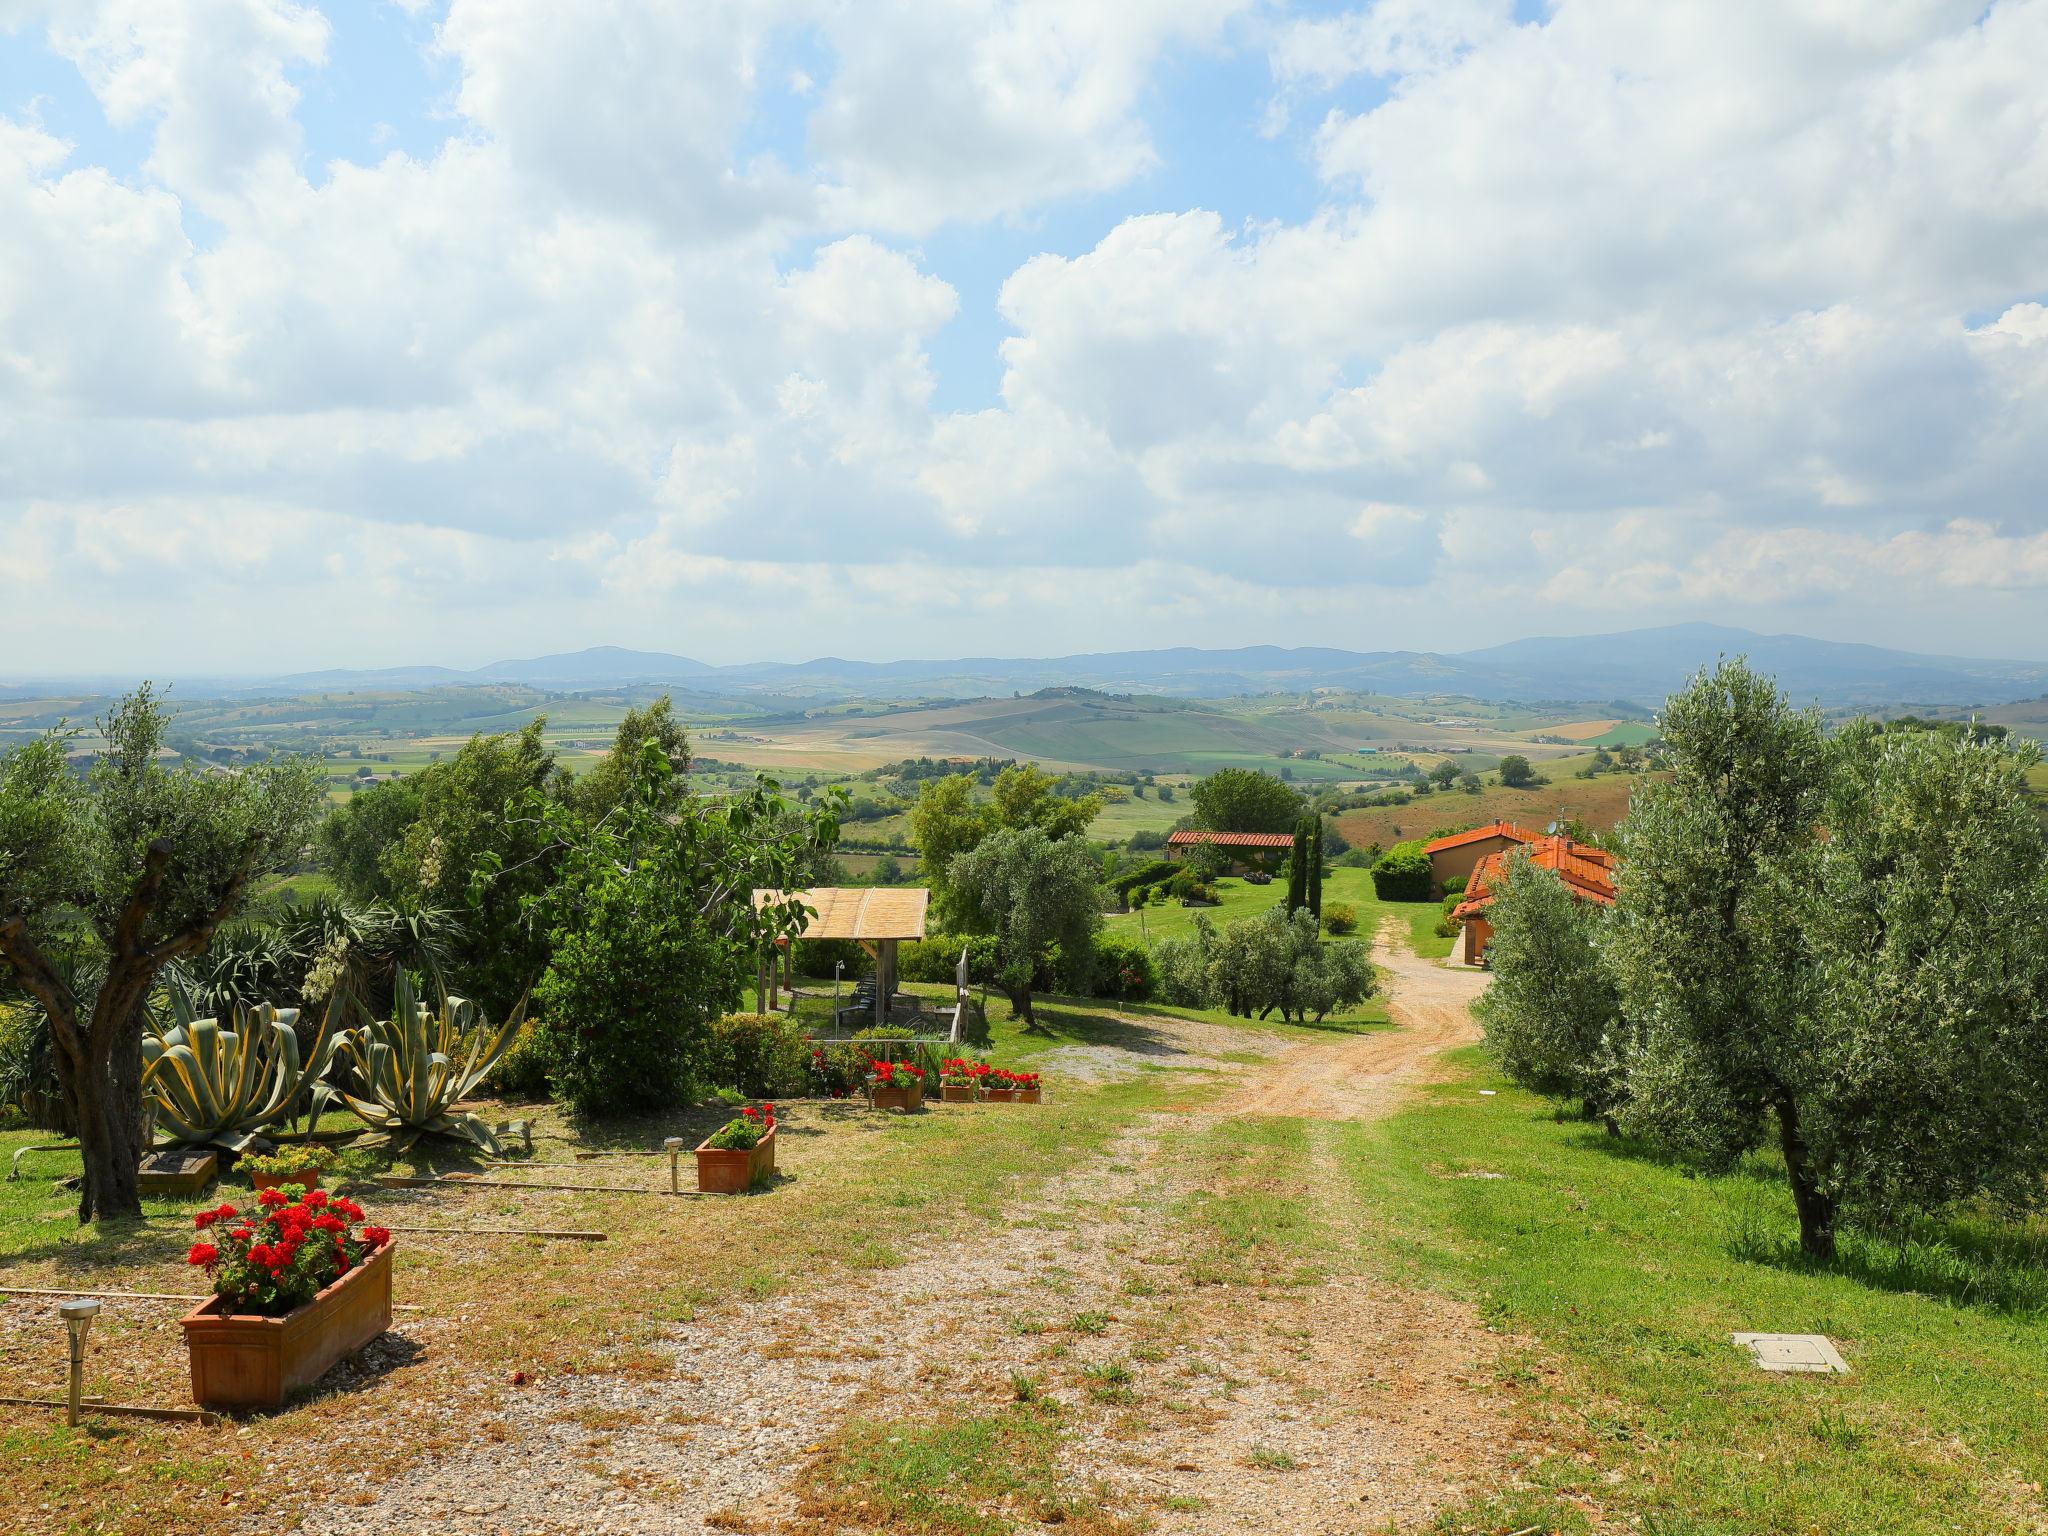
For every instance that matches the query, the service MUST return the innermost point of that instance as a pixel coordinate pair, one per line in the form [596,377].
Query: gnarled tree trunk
[1817,1209]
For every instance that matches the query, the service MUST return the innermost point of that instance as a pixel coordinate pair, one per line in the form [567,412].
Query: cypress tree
[1297,868]
[1313,876]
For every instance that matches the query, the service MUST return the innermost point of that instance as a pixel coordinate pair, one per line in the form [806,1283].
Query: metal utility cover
[1793,1352]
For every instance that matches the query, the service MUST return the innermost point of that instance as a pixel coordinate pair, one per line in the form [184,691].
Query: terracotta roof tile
[1519,833]
[1232,839]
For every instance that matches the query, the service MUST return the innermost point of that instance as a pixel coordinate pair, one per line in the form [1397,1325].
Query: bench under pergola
[877,918]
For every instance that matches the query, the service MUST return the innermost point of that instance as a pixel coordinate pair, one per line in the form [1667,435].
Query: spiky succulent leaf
[413,1067]
[222,1087]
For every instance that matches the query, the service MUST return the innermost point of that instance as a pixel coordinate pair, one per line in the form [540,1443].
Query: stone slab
[1799,1352]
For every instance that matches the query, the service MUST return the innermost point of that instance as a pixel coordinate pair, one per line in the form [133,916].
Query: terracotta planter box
[305,1178]
[1011,1095]
[909,1100]
[245,1361]
[733,1170]
[957,1093]
[1028,1095]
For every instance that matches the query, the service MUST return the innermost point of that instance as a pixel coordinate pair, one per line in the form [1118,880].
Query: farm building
[1587,872]
[1244,850]
[1459,853]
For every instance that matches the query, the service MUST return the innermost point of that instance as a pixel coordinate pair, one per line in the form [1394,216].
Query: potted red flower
[1005,1087]
[739,1154]
[960,1080]
[896,1085]
[298,1283]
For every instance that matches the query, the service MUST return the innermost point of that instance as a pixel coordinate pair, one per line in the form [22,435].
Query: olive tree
[1031,890]
[1551,1013]
[1919,1069]
[144,863]
[1277,962]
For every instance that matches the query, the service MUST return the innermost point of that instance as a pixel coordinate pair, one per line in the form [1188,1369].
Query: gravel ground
[1326,1408]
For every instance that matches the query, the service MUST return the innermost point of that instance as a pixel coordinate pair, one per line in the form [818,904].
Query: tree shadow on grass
[1975,1259]
[1068,1026]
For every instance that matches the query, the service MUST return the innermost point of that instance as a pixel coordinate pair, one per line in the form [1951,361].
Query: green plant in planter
[305,1157]
[412,1068]
[220,1087]
[745,1131]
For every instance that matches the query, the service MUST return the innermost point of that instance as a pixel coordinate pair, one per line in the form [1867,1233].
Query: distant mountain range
[1640,666]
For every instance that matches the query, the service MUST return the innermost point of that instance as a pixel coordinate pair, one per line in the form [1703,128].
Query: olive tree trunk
[99,1060]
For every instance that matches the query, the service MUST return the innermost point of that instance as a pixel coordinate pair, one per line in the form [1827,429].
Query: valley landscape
[1023,768]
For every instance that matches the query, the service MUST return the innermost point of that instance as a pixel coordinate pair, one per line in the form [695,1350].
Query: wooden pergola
[877,918]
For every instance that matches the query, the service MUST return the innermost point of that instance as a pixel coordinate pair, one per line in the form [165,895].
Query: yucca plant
[412,1068]
[221,1087]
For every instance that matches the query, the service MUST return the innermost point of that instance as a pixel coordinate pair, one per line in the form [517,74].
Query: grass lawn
[1629,1276]
[1241,899]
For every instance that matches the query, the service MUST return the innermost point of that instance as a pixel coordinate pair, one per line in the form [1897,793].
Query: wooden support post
[761,984]
[885,979]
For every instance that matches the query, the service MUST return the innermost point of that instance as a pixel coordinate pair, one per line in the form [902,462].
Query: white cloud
[1713,307]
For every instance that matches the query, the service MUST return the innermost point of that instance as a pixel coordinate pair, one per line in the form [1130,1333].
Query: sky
[377,332]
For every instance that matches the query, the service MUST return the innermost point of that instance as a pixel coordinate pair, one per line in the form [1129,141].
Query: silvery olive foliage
[1278,962]
[1031,890]
[1552,1016]
[1839,945]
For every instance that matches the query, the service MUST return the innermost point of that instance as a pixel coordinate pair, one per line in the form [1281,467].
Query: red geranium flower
[203,1253]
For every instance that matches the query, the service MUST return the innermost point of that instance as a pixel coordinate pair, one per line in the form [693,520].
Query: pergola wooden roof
[868,913]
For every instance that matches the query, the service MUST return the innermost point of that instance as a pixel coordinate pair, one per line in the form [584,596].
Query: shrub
[522,1072]
[1151,872]
[1402,874]
[1182,966]
[1447,927]
[934,959]
[1340,919]
[1123,969]
[1455,886]
[763,1055]
[815,957]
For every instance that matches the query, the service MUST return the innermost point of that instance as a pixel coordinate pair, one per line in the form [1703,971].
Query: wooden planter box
[957,1093]
[1028,1095]
[305,1178]
[245,1361]
[733,1170]
[1012,1095]
[909,1100]
[177,1172]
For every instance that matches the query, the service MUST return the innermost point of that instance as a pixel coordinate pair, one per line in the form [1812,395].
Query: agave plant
[412,1068]
[220,1087]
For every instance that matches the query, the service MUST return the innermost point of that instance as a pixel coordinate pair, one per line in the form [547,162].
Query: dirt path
[1359,1077]
[1201,1404]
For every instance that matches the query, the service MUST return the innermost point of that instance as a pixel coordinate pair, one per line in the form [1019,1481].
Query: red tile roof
[1588,873]
[1506,829]
[1233,839]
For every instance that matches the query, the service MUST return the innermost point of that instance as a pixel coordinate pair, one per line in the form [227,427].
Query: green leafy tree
[1469,783]
[355,835]
[1916,1059]
[1516,773]
[1444,774]
[1277,962]
[143,864]
[607,786]
[1031,890]
[1551,1014]
[1244,800]
[947,821]
[1710,959]
[478,849]
[653,931]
